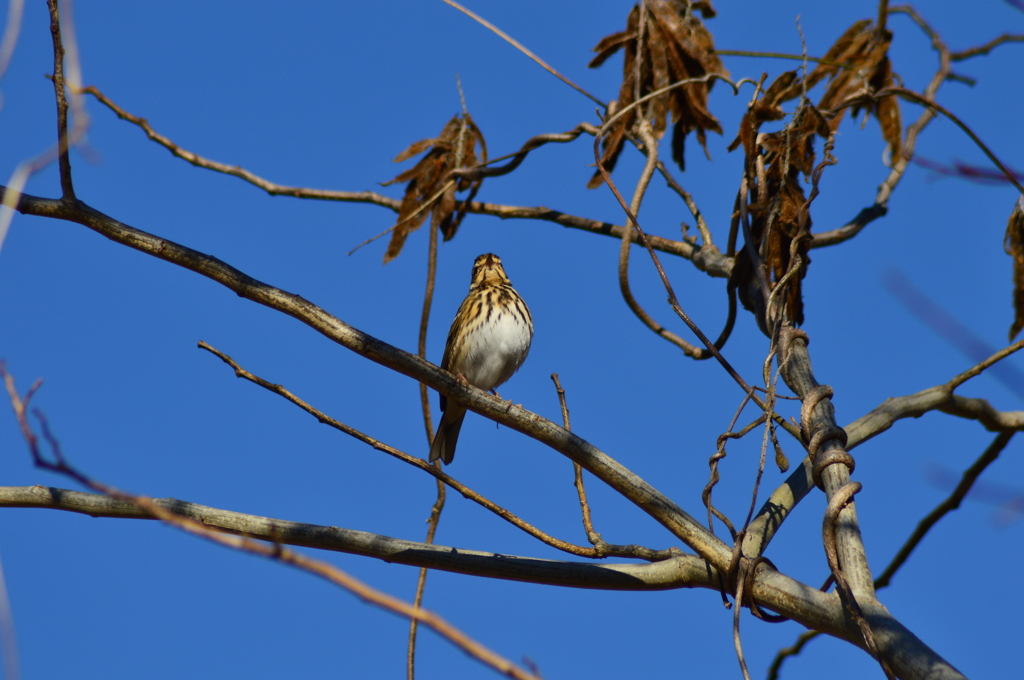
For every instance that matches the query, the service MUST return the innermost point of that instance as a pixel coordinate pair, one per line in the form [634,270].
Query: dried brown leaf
[609,45]
[858,64]
[676,47]
[1014,245]
[429,190]
[767,107]
[778,211]
[415,149]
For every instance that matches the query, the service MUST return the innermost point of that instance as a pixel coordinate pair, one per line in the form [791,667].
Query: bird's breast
[497,348]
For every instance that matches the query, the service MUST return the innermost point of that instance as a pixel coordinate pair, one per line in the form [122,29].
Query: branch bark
[646,497]
[680,571]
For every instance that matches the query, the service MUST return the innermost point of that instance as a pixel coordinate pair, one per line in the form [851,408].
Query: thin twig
[719,454]
[951,503]
[619,551]
[273,551]
[428,298]
[713,263]
[421,581]
[650,149]
[527,52]
[987,47]
[63,142]
[588,524]
[792,650]
[702,226]
[736,641]
[778,55]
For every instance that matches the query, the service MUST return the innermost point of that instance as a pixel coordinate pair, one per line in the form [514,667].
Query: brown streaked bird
[488,342]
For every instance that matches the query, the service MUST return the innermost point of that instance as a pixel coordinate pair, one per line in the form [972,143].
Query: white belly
[498,350]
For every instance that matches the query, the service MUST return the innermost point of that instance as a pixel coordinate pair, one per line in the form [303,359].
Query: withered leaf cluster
[429,190]
[856,66]
[777,207]
[1014,245]
[858,63]
[670,46]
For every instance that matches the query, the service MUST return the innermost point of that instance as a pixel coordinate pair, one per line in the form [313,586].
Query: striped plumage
[488,342]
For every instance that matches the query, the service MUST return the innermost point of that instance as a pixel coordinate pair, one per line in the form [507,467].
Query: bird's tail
[447,435]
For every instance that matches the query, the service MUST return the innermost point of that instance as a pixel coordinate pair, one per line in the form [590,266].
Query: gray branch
[680,571]
[907,655]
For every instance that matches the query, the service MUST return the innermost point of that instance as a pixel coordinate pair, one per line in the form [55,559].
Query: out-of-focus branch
[951,503]
[925,101]
[987,47]
[65,139]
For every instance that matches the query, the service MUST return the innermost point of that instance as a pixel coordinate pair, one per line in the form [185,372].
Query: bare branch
[681,571]
[527,52]
[987,47]
[435,470]
[588,525]
[951,503]
[605,468]
[939,398]
[708,260]
[827,449]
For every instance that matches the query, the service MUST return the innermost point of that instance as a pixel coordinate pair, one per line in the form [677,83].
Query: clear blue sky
[325,96]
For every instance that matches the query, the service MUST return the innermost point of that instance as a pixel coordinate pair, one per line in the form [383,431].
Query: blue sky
[325,95]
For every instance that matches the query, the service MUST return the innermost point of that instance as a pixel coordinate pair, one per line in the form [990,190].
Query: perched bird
[487,343]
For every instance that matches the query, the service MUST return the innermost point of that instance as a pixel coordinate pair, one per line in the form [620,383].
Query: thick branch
[806,604]
[799,483]
[827,448]
[603,467]
[681,571]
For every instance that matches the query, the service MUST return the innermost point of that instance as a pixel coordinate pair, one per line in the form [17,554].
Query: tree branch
[951,503]
[680,571]
[878,420]
[654,503]
[706,259]
[439,474]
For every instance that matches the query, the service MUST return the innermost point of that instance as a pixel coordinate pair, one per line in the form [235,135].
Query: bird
[488,342]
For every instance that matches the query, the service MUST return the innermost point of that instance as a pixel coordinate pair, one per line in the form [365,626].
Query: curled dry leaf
[858,64]
[1014,245]
[429,191]
[777,208]
[672,45]
[767,107]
